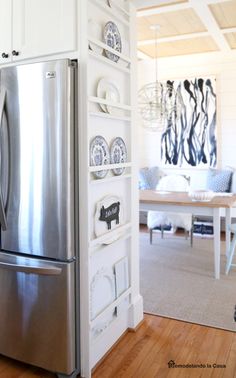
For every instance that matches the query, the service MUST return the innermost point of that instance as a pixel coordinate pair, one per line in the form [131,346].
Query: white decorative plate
[95,31]
[108,90]
[102,291]
[101,227]
[99,155]
[118,153]
[112,38]
[112,96]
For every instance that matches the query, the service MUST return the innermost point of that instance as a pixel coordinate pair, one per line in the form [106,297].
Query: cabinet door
[42,27]
[5,31]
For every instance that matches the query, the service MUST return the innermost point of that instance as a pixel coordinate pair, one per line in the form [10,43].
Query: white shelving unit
[100,252]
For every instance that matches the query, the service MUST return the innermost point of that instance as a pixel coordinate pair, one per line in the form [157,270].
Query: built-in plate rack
[106,250]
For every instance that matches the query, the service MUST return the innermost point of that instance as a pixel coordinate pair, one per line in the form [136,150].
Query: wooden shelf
[110,179]
[110,235]
[105,167]
[110,116]
[108,48]
[112,12]
[99,100]
[104,59]
[110,307]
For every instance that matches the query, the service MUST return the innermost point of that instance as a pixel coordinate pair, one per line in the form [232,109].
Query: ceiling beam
[143,56]
[203,11]
[216,1]
[163,9]
[181,37]
[173,38]
[144,4]
[228,30]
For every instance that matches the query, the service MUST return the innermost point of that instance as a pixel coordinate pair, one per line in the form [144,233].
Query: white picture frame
[121,276]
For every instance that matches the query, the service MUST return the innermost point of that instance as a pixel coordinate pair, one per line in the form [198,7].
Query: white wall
[223,66]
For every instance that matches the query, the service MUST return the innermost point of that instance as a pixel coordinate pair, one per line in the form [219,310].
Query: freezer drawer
[37,322]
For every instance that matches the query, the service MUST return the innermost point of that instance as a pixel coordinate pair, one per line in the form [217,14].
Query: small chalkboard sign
[110,213]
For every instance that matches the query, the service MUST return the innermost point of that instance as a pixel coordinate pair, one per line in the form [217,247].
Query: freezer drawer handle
[41,270]
[3,221]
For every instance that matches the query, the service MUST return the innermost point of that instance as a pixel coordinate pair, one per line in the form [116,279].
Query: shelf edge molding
[99,100]
[110,307]
[108,48]
[108,61]
[110,116]
[96,168]
[109,235]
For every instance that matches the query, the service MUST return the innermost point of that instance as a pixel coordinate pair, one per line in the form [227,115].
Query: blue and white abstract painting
[190,140]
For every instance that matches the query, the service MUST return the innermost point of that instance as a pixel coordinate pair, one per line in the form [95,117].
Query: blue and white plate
[112,38]
[118,153]
[99,155]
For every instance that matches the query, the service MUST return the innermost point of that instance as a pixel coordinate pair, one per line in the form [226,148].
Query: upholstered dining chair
[162,219]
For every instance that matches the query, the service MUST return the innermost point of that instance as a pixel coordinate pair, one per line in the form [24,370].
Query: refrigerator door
[37,324]
[37,162]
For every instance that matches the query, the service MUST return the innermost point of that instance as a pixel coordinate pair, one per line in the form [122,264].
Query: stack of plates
[108,90]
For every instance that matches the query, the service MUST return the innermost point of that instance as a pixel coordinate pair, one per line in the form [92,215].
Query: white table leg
[227,230]
[216,224]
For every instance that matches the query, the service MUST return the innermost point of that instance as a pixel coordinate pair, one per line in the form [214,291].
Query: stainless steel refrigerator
[39,298]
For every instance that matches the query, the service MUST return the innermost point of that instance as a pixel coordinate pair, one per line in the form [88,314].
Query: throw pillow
[233,179]
[148,178]
[219,180]
[175,183]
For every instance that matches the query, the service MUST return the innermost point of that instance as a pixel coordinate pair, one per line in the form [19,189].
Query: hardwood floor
[146,353]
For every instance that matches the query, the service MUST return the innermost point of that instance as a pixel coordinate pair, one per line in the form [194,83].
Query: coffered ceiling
[186,27]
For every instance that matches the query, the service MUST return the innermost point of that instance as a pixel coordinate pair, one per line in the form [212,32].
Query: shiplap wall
[223,66]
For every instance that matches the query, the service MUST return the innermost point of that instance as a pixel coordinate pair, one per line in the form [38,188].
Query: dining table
[181,202]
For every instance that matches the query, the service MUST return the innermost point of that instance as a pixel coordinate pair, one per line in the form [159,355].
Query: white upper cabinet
[5,31]
[37,27]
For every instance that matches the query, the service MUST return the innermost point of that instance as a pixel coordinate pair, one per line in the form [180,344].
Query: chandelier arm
[156,55]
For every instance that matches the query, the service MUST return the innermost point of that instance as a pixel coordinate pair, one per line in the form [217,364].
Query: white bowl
[201,195]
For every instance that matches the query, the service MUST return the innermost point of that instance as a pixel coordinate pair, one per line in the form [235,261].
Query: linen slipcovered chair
[161,219]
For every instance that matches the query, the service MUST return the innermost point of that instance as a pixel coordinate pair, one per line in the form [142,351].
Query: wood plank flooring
[146,353]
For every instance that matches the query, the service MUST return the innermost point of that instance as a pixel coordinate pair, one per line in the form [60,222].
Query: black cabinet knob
[15,53]
[4,55]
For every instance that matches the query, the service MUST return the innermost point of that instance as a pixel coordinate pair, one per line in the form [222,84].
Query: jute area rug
[177,281]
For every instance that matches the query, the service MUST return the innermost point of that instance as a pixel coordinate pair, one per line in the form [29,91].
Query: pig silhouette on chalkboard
[110,213]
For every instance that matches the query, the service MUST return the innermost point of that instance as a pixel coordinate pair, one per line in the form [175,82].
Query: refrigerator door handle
[40,270]
[3,221]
